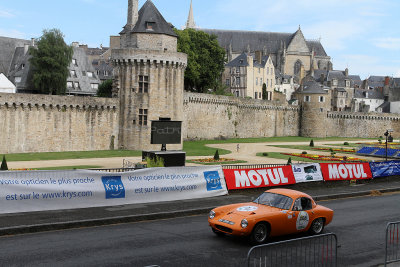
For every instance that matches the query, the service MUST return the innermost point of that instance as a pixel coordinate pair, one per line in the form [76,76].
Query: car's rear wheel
[218,233]
[259,234]
[317,226]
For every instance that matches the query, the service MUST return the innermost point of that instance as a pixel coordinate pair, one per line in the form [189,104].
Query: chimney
[33,42]
[322,79]
[387,80]
[133,16]
[259,56]
[346,72]
[26,48]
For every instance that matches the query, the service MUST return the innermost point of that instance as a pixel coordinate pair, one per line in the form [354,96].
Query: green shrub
[4,166]
[216,155]
[155,162]
[289,162]
[265,154]
[346,143]
[312,143]
[304,152]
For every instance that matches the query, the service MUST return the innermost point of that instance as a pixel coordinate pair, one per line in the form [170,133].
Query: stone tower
[190,24]
[148,76]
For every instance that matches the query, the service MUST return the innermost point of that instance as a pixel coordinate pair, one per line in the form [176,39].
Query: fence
[320,250]
[252,166]
[392,251]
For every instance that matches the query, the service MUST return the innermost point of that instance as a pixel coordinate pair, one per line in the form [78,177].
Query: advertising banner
[310,172]
[253,178]
[383,169]
[52,190]
[345,171]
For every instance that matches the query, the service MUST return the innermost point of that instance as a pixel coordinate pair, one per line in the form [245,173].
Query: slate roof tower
[148,76]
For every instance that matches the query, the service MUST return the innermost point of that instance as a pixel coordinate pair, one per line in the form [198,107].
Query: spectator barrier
[54,190]
[392,249]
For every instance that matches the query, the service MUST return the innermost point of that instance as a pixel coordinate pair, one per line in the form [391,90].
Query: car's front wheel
[259,234]
[317,226]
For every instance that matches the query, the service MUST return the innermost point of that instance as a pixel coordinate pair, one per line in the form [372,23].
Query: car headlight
[244,223]
[212,214]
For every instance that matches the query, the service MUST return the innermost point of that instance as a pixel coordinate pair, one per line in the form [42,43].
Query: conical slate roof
[150,14]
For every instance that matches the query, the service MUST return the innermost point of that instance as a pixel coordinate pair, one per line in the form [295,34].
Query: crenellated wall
[41,123]
[211,117]
[366,125]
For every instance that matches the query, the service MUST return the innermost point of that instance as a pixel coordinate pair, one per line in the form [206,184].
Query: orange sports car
[275,212]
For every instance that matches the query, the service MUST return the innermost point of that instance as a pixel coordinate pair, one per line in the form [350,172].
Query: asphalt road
[358,222]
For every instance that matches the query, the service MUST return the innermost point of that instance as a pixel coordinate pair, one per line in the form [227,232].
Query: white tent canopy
[6,86]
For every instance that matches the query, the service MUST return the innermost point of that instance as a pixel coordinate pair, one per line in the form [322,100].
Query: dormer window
[74,62]
[347,83]
[17,79]
[150,25]
[334,82]
[22,66]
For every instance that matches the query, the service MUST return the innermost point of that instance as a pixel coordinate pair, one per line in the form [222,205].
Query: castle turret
[149,78]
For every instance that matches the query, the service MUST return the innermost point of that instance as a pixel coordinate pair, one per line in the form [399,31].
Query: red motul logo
[258,177]
[346,171]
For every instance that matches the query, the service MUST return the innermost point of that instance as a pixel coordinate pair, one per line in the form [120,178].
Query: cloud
[12,33]
[6,14]
[388,43]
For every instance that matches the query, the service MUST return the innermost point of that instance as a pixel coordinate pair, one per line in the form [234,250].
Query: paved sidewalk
[65,219]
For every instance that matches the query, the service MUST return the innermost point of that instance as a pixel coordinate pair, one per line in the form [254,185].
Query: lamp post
[386,143]
[386,135]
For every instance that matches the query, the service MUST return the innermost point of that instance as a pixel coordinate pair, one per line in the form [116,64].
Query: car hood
[243,210]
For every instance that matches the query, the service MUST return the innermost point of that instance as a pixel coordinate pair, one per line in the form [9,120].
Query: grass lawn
[313,148]
[277,155]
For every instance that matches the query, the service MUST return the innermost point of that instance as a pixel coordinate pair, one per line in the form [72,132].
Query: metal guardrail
[392,251]
[320,250]
[252,166]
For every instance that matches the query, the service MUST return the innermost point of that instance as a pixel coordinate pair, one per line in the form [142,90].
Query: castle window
[237,80]
[70,85]
[72,73]
[143,84]
[347,83]
[74,62]
[259,95]
[90,74]
[237,93]
[94,86]
[256,81]
[150,25]
[321,99]
[228,82]
[238,70]
[261,81]
[307,98]
[23,66]
[76,85]
[268,70]
[334,82]
[255,95]
[143,117]
[17,79]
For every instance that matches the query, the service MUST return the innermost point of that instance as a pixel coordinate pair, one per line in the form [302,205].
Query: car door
[301,215]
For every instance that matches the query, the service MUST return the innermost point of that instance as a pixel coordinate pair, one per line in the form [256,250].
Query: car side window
[297,205]
[302,203]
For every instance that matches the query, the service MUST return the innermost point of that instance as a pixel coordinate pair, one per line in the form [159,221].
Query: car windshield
[274,200]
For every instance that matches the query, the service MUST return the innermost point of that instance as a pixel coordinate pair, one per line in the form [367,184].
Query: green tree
[105,89]
[312,143]
[50,61]
[264,92]
[216,155]
[4,166]
[206,60]
[289,162]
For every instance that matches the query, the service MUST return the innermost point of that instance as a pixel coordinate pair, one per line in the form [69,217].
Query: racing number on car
[302,220]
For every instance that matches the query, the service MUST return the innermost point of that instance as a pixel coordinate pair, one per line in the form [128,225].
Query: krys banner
[253,178]
[52,190]
[383,169]
[345,171]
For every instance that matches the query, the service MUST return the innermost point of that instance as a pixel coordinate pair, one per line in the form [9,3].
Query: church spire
[190,24]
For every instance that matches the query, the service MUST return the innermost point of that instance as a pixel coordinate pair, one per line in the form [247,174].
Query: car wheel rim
[317,226]
[260,233]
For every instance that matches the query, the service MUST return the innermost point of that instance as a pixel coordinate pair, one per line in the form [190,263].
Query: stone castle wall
[212,117]
[41,123]
[371,125]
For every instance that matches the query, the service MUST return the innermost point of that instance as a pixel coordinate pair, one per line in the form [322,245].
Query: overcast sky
[363,35]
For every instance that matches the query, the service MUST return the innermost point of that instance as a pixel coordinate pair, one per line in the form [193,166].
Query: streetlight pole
[386,135]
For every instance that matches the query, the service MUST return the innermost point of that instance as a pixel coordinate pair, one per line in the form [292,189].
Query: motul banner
[345,171]
[253,178]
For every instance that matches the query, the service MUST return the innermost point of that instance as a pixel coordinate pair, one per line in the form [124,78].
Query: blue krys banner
[383,169]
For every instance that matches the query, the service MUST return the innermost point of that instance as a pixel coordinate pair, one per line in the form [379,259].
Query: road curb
[34,228]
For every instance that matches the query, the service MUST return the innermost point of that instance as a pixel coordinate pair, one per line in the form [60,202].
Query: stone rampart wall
[212,117]
[41,123]
[371,125]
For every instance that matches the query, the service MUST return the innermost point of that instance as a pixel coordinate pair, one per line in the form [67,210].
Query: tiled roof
[368,94]
[7,48]
[240,61]
[312,87]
